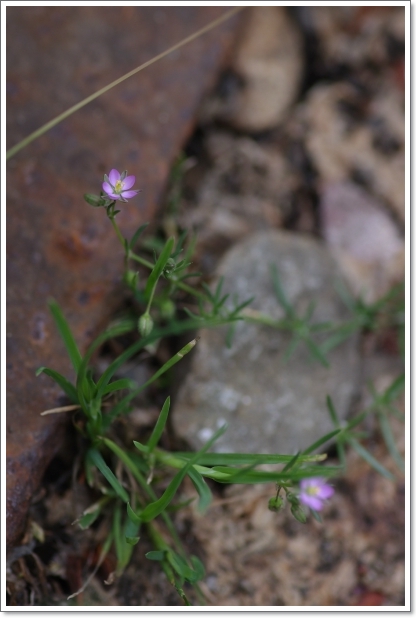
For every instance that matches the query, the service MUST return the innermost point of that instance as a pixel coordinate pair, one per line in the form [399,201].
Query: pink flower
[314,491]
[117,186]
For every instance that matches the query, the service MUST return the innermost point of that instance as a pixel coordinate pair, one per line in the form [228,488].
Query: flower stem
[117,230]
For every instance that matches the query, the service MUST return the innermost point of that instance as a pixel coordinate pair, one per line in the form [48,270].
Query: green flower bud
[293,499]
[299,514]
[145,324]
[275,504]
[169,267]
[167,309]
[94,200]
[130,278]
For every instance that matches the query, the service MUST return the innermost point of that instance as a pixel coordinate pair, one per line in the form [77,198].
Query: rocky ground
[301,142]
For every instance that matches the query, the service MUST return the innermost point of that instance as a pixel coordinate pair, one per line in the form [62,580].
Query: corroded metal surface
[58,246]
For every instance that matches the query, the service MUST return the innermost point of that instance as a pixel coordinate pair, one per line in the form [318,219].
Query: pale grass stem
[52,123]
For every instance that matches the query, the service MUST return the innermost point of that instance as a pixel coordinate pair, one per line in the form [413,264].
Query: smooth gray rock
[270,405]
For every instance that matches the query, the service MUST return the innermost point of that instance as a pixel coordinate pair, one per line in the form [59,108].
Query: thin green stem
[117,230]
[150,299]
[187,288]
[141,260]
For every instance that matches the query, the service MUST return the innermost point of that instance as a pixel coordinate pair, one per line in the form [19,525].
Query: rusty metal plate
[57,246]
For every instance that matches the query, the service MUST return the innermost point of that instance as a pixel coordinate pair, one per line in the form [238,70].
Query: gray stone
[270,405]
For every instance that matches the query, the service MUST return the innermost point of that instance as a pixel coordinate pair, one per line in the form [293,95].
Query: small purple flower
[117,186]
[314,491]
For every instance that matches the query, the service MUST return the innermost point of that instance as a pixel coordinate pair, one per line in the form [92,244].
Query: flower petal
[312,501]
[109,190]
[129,194]
[309,482]
[114,176]
[325,491]
[128,182]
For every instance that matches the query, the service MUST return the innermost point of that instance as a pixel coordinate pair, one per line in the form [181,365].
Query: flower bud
[169,267]
[130,278]
[275,504]
[293,499]
[145,324]
[299,514]
[167,309]
[94,200]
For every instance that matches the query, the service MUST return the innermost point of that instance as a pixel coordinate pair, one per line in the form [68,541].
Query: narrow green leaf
[94,455]
[159,266]
[202,488]
[90,514]
[370,459]
[155,555]
[394,390]
[155,508]
[179,246]
[119,541]
[316,516]
[175,328]
[332,411]
[230,475]
[89,471]
[132,515]
[117,410]
[137,234]
[190,275]
[181,567]
[321,441]
[317,353]
[292,462]
[341,454]
[85,521]
[236,459]
[236,476]
[292,347]
[119,385]
[337,338]
[390,440]
[160,426]
[141,447]
[125,537]
[198,567]
[309,313]
[123,548]
[66,386]
[120,328]
[66,335]
[356,421]
[230,334]
[240,307]
[345,295]
[279,292]
[131,531]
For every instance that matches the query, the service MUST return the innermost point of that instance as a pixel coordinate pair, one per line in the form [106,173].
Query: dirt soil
[253,557]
